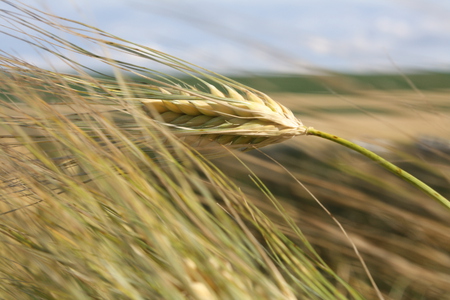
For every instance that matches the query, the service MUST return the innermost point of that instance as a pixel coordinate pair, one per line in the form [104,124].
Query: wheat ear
[240,121]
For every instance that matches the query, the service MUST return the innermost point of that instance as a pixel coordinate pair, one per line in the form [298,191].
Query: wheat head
[240,121]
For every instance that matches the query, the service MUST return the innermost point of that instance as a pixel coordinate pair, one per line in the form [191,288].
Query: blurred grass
[106,216]
[403,236]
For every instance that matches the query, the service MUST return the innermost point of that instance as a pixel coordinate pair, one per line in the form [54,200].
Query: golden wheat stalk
[241,122]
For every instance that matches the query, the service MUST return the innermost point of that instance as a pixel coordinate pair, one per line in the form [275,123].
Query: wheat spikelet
[236,121]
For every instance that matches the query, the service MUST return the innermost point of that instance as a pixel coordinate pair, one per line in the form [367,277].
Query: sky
[278,36]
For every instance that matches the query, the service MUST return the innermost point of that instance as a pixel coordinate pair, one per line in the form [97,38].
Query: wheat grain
[242,123]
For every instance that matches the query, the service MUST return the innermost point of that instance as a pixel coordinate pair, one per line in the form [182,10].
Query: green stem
[384,163]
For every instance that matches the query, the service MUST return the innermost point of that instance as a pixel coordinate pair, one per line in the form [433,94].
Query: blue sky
[287,36]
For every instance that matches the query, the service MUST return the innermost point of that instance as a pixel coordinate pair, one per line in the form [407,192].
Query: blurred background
[375,72]
[285,36]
